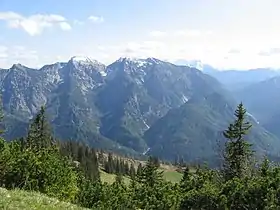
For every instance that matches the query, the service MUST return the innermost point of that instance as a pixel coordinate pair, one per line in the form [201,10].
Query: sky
[227,34]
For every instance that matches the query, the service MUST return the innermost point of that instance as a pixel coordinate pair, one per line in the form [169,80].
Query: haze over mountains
[233,79]
[143,105]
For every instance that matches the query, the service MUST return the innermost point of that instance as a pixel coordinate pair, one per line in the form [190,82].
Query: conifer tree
[39,134]
[150,175]
[119,178]
[126,168]
[186,175]
[101,157]
[122,167]
[81,156]
[238,151]
[139,169]
[110,165]
[182,162]
[176,160]
[117,166]
[132,171]
[1,120]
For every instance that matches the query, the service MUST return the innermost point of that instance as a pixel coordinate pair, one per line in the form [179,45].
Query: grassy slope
[110,178]
[172,176]
[169,171]
[168,175]
[21,200]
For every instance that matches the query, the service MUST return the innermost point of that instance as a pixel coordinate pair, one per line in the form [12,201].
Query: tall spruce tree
[139,169]
[150,174]
[39,134]
[110,165]
[238,153]
[132,171]
[2,141]
[2,127]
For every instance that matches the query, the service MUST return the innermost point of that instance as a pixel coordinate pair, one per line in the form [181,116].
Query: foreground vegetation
[23,200]
[69,172]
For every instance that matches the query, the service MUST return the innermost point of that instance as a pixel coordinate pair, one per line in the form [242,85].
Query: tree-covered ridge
[69,172]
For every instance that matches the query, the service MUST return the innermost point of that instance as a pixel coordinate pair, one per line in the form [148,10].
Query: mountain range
[230,78]
[262,98]
[136,106]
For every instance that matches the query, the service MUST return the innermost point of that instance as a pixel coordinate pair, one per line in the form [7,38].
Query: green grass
[168,175]
[23,200]
[172,176]
[110,178]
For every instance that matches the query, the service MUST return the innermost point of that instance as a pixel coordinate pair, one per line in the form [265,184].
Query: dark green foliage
[132,171]
[84,156]
[110,165]
[39,134]
[90,192]
[114,165]
[139,169]
[238,151]
[150,175]
[36,164]
[149,191]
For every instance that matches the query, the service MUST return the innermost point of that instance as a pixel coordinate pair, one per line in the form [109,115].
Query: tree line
[69,171]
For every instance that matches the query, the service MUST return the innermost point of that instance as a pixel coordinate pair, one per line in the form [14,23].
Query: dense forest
[69,171]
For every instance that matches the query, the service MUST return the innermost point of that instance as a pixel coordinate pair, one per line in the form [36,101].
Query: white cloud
[65,26]
[17,54]
[3,48]
[187,32]
[3,55]
[234,51]
[142,49]
[34,24]
[223,50]
[78,22]
[157,33]
[3,52]
[96,19]
[9,16]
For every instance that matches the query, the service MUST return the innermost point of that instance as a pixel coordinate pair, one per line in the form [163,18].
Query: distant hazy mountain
[132,105]
[264,102]
[236,79]
[233,79]
[192,63]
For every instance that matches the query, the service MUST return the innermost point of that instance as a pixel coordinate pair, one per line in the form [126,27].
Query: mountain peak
[154,60]
[78,61]
[129,58]
[139,61]
[19,66]
[83,59]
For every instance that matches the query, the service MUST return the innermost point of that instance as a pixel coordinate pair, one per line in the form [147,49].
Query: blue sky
[224,33]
